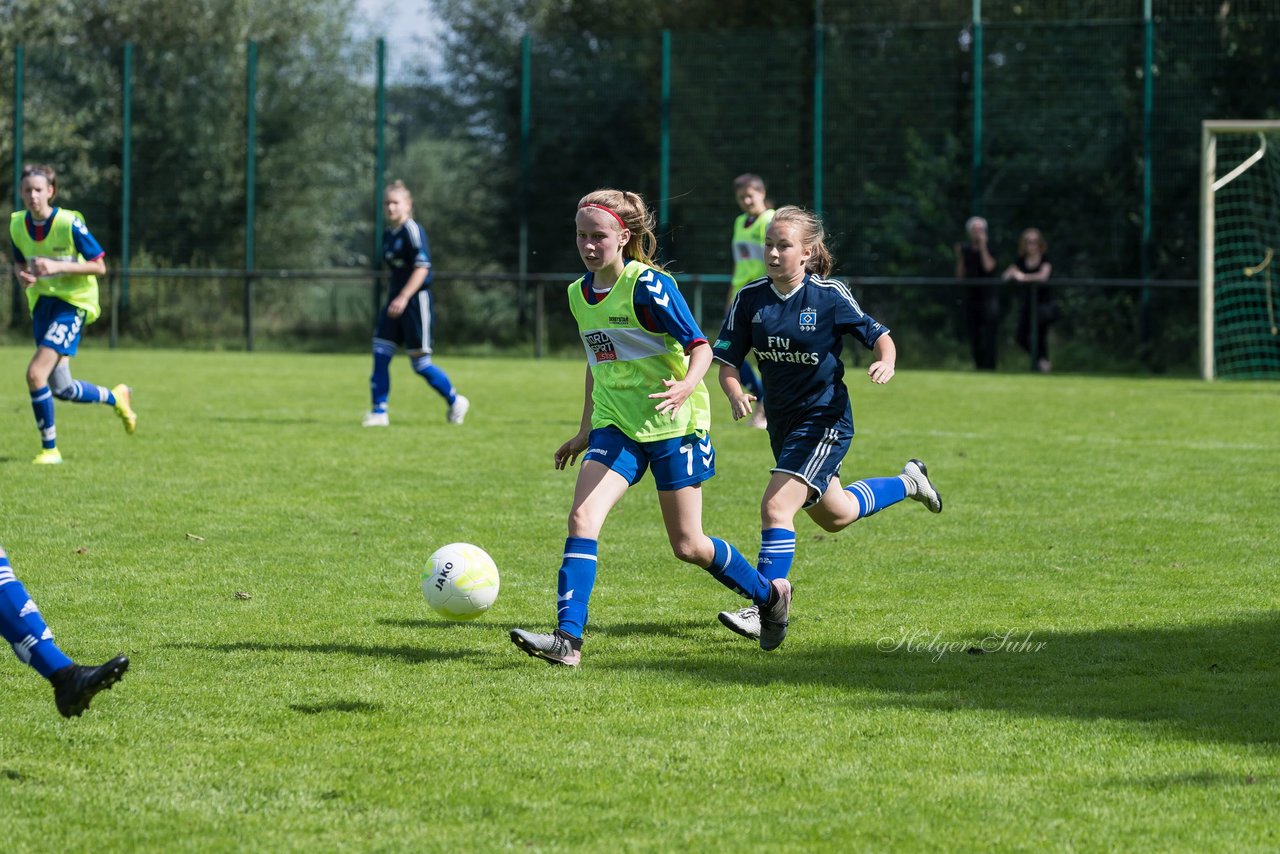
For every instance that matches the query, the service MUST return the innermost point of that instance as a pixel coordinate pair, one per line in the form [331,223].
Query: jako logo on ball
[460,581]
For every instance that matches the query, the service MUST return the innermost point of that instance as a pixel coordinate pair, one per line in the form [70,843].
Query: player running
[645,408]
[57,261]
[406,319]
[795,321]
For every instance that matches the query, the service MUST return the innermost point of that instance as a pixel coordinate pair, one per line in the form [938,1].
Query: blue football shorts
[812,451]
[412,329]
[57,325]
[676,463]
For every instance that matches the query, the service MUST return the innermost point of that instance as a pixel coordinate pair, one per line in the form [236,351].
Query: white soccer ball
[460,582]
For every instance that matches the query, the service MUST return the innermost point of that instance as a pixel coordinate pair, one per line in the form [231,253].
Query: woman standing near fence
[1033,266]
[57,261]
[407,317]
[796,320]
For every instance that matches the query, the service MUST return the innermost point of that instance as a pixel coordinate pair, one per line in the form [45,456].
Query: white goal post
[1251,143]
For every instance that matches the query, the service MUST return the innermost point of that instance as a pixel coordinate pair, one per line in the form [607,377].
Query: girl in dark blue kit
[406,319]
[795,321]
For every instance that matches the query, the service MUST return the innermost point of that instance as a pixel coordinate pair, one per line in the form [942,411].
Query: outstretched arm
[881,370]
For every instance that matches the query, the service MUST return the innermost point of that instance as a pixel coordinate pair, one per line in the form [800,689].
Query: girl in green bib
[645,408]
[57,261]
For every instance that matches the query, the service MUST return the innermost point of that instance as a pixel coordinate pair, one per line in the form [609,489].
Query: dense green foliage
[1127,526]
[1064,136]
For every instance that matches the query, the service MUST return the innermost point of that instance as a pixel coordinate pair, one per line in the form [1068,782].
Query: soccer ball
[461,581]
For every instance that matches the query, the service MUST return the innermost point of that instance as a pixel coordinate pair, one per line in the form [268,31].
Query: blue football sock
[83,392]
[435,378]
[380,381]
[777,551]
[23,627]
[573,585]
[42,406]
[731,569]
[876,493]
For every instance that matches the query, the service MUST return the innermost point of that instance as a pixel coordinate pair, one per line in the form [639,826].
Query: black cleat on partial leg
[75,686]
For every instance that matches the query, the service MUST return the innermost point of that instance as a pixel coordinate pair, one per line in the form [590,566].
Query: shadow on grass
[440,623]
[335,706]
[1216,682]
[594,630]
[407,654]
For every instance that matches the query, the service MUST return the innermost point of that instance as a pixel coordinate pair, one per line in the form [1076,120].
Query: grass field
[1121,535]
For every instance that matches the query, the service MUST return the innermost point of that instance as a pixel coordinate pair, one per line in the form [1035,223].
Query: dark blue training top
[403,250]
[797,340]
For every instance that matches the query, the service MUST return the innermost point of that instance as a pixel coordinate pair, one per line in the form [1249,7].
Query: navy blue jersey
[797,340]
[659,306]
[404,249]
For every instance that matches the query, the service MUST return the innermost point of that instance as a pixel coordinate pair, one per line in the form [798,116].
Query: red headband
[610,211]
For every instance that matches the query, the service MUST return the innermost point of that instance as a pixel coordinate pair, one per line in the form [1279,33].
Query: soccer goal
[1239,241]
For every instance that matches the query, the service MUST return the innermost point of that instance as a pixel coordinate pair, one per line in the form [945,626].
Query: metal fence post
[664,145]
[250,179]
[120,296]
[526,157]
[18,301]
[1148,107]
[975,204]
[819,86]
[379,169]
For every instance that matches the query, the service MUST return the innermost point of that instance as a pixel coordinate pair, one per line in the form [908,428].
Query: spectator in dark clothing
[975,261]
[1033,266]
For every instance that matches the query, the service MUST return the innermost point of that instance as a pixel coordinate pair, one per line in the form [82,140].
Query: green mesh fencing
[898,119]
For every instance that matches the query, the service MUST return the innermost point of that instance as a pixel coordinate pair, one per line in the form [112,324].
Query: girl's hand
[568,453]
[670,401]
[44,267]
[740,406]
[25,277]
[880,372]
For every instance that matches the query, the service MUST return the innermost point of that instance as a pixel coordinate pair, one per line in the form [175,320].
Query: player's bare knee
[687,549]
[583,523]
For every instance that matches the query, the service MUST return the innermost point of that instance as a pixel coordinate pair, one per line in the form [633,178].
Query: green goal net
[1240,239]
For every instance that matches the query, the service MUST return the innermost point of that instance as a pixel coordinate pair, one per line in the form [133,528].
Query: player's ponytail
[635,216]
[812,237]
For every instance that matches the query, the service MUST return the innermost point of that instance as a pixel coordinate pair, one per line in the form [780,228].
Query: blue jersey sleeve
[661,308]
[852,320]
[86,244]
[418,244]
